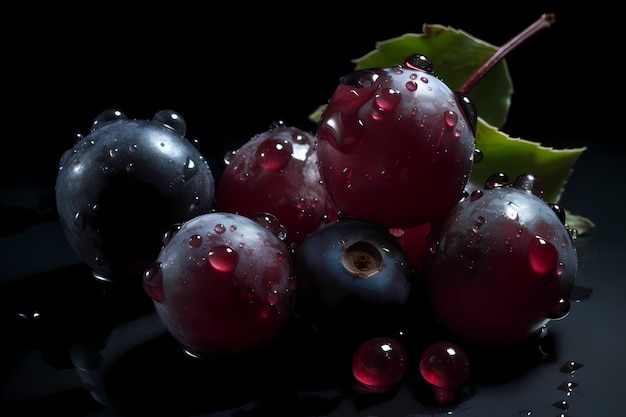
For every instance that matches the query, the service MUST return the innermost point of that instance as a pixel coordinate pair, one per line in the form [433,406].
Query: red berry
[501,265]
[396,145]
[276,172]
[379,363]
[222,284]
[446,367]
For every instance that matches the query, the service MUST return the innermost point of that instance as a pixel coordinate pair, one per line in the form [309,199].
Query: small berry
[379,363]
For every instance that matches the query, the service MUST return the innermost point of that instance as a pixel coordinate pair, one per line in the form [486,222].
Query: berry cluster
[354,229]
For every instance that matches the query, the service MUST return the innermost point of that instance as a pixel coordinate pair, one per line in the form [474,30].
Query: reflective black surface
[75,346]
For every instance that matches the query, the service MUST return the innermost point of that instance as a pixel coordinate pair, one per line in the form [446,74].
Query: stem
[545,21]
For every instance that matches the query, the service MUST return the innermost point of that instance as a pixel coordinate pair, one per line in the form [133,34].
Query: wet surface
[73,345]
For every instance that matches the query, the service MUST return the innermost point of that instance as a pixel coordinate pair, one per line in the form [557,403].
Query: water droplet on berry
[229,156]
[419,62]
[190,169]
[274,154]
[343,135]
[195,241]
[153,281]
[105,117]
[446,367]
[272,223]
[219,228]
[388,99]
[476,194]
[411,85]
[542,255]
[498,179]
[170,232]
[478,155]
[379,363]
[223,258]
[529,183]
[450,118]
[559,211]
[561,310]
[172,120]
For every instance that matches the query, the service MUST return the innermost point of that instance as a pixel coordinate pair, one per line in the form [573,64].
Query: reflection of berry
[446,367]
[276,172]
[222,284]
[379,363]
[501,264]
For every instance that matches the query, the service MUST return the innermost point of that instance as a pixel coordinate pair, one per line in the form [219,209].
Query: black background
[232,70]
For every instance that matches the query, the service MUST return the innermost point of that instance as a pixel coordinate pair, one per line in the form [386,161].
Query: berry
[396,145]
[354,278]
[501,264]
[446,367]
[120,187]
[222,284]
[379,363]
[413,242]
[276,172]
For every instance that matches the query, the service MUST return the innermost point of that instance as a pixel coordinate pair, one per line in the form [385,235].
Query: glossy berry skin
[446,367]
[354,278]
[222,284]
[119,188]
[396,145]
[502,263]
[379,363]
[413,242]
[276,172]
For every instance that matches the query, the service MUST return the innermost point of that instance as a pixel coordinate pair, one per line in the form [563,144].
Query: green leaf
[515,156]
[579,223]
[455,55]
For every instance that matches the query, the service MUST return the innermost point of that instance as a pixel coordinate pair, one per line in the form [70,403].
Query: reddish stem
[545,21]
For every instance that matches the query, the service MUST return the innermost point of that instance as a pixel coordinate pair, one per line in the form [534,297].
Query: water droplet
[478,155]
[271,222]
[563,405]
[388,99]
[542,255]
[105,117]
[190,169]
[567,386]
[529,183]
[223,258]
[195,241]
[171,119]
[170,232]
[499,179]
[561,310]
[274,154]
[229,156]
[570,367]
[411,85]
[559,211]
[476,194]
[360,79]
[219,228]
[344,135]
[419,62]
[450,118]
[153,281]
